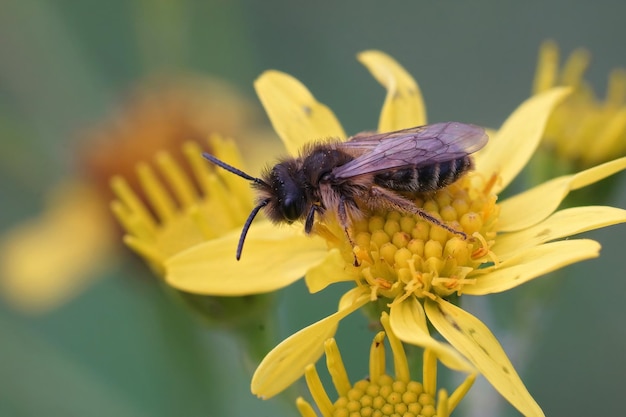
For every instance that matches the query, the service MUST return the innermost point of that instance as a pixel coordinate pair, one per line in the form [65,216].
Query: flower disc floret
[381,395]
[385,397]
[398,254]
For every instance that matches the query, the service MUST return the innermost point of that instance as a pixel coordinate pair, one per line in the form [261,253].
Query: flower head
[185,207]
[413,266]
[160,115]
[183,213]
[75,236]
[583,129]
[382,394]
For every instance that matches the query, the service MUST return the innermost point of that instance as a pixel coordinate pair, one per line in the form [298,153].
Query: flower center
[385,397]
[400,255]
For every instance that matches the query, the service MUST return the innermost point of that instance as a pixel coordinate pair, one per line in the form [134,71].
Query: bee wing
[414,147]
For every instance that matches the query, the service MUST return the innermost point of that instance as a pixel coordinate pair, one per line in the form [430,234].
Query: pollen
[399,254]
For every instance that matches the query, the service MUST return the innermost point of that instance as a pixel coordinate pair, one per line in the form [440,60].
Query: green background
[124,348]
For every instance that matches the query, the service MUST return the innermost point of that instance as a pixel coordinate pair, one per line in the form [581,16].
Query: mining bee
[368,171]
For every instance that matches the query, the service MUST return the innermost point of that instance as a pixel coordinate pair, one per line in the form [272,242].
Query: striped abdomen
[425,178]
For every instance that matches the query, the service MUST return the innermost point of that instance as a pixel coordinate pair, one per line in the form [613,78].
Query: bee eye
[293,208]
[289,191]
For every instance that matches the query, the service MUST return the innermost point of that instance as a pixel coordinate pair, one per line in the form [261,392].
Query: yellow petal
[408,322]
[404,105]
[474,340]
[47,260]
[286,362]
[561,224]
[574,68]
[515,142]
[329,271]
[273,257]
[296,115]
[547,67]
[609,140]
[532,206]
[305,409]
[532,263]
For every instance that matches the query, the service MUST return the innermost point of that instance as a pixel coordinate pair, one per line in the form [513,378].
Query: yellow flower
[177,218]
[49,259]
[583,129]
[410,264]
[381,394]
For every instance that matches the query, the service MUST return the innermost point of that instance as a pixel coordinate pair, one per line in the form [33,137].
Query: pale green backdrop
[123,348]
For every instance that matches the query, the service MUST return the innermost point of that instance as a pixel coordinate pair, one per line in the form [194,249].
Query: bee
[368,171]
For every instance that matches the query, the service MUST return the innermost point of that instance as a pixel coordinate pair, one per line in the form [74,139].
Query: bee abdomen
[425,178]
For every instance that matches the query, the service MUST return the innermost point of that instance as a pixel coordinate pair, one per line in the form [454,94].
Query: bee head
[287,196]
[281,192]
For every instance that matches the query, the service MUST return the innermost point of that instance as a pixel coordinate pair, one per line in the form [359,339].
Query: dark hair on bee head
[255,210]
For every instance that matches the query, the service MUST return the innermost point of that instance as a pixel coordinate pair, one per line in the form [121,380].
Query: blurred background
[119,345]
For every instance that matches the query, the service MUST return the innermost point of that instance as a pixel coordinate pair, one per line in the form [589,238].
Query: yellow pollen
[374,283]
[383,283]
[483,251]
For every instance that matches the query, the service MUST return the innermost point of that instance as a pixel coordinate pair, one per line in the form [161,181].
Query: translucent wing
[414,147]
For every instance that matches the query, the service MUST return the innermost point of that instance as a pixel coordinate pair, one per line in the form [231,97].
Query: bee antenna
[247,224]
[234,170]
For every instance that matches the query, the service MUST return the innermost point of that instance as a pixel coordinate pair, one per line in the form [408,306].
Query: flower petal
[561,224]
[533,263]
[296,115]
[404,105]
[547,67]
[408,322]
[530,207]
[474,340]
[273,258]
[329,271]
[510,149]
[47,260]
[286,362]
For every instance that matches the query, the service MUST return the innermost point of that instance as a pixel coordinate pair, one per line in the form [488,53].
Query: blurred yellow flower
[381,394]
[412,265]
[46,260]
[583,130]
[49,259]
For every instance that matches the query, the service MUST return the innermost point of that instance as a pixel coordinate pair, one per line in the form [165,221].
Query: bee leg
[384,198]
[308,224]
[342,214]
[310,217]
